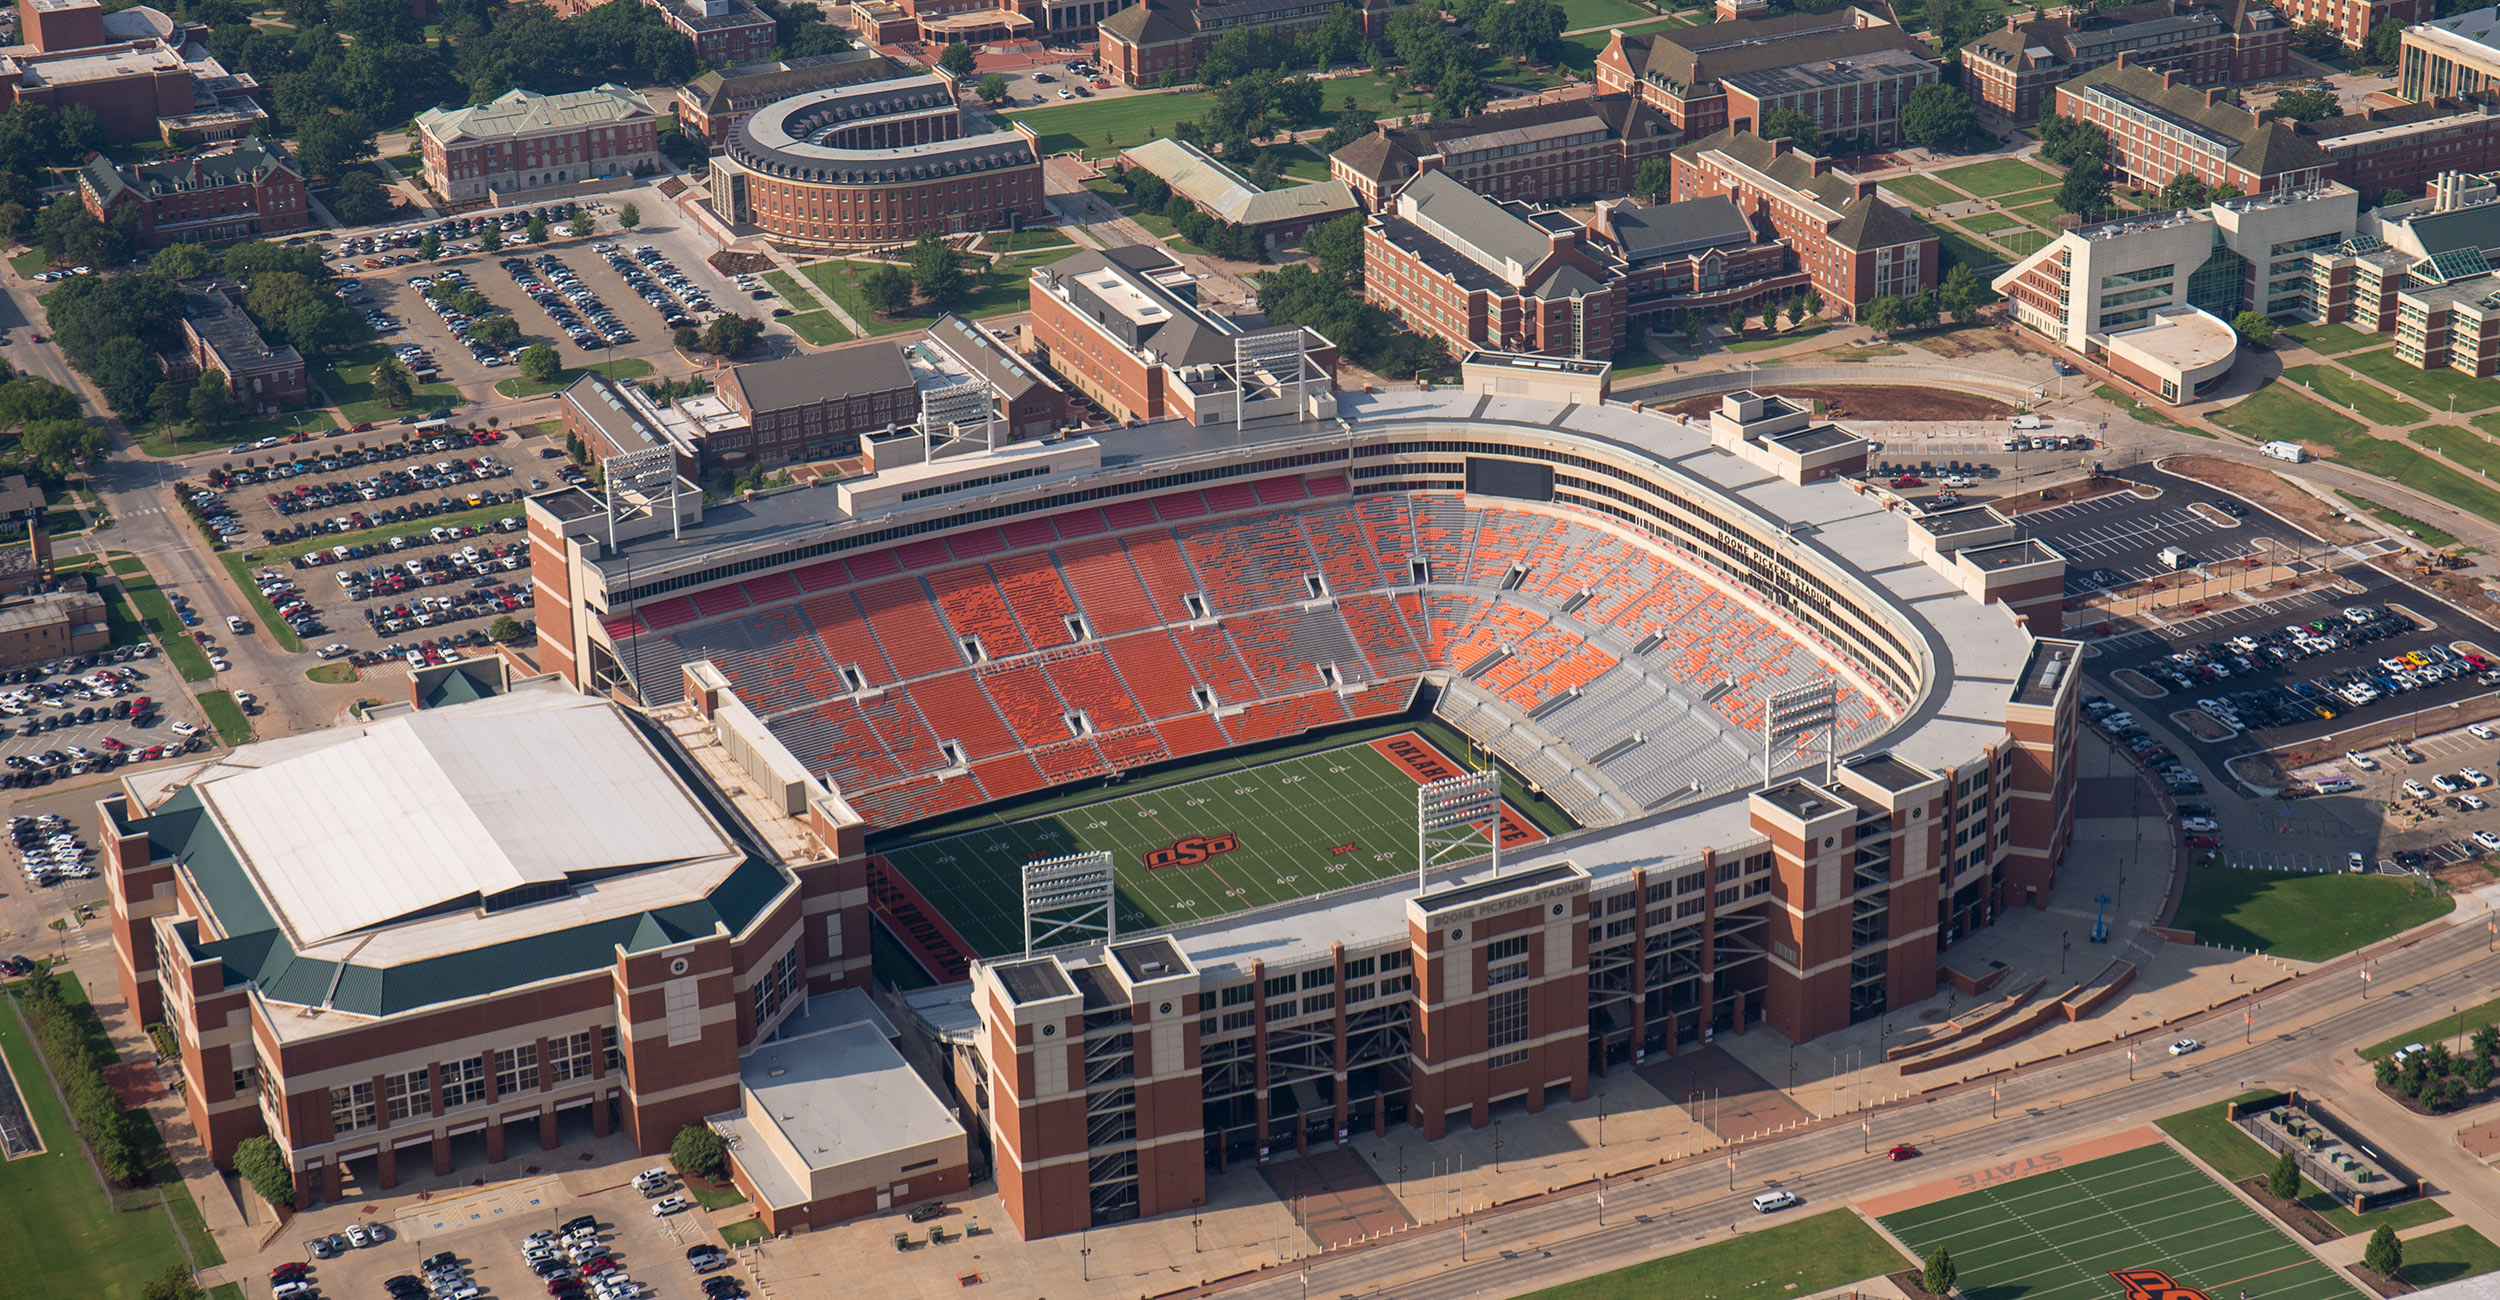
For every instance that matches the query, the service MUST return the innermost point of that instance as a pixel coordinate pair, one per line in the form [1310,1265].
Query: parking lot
[484,1235]
[92,714]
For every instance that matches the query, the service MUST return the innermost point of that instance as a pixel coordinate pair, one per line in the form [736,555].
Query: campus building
[522,141]
[2353,20]
[2015,69]
[2456,55]
[1123,328]
[877,163]
[1852,246]
[1145,41]
[266,377]
[2160,128]
[729,32]
[712,105]
[1586,591]
[1699,255]
[1480,274]
[1281,215]
[1848,68]
[1542,153]
[142,73]
[2423,271]
[2150,298]
[614,913]
[248,190]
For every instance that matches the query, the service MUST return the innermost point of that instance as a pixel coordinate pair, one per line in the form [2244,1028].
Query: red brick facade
[1852,246]
[2015,70]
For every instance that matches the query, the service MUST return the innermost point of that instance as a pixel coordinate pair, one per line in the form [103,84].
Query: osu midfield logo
[1191,851]
[2153,1284]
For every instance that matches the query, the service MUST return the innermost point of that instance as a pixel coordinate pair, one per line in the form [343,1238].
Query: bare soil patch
[2300,1218]
[2202,725]
[2384,1286]
[1913,1283]
[2139,685]
[2461,587]
[2068,493]
[1963,341]
[1874,402]
[2261,486]
[729,263]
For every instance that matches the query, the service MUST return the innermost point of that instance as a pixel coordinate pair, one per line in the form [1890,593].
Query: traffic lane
[2078,1095]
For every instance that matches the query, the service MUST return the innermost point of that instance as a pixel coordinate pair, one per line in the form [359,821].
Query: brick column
[601,1110]
[389,1162]
[494,1140]
[333,1180]
[546,1130]
[442,1152]
[307,1188]
[546,1076]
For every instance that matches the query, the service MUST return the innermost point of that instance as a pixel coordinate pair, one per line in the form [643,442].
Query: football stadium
[1766,739]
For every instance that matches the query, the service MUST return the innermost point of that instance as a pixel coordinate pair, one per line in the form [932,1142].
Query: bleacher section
[1612,675]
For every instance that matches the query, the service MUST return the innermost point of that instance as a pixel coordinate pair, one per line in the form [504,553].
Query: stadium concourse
[972,656]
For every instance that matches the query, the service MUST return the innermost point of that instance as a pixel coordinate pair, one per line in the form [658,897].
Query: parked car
[668,1205]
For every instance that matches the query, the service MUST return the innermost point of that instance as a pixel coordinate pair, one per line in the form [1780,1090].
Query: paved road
[2322,1014]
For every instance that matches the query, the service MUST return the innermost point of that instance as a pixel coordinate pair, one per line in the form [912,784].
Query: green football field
[1299,826]
[2061,1235]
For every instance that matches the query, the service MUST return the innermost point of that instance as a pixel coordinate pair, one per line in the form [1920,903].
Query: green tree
[2477,1072]
[2316,38]
[360,200]
[581,225]
[15,220]
[1528,30]
[2183,191]
[2284,1181]
[698,1150]
[1941,118]
[1653,179]
[1814,302]
[537,230]
[2386,1070]
[2254,327]
[957,59]
[2066,142]
[62,448]
[1338,245]
[992,89]
[2385,1254]
[1962,292]
[496,331]
[126,372]
[330,143]
[629,216]
[539,363]
[1459,93]
[28,398]
[2085,191]
[887,290]
[2392,195]
[490,238]
[263,1165]
[213,406]
[2306,105]
[1919,310]
[184,261]
[2486,1041]
[1884,314]
[1938,1276]
[2386,39]
[1784,122]
[504,630]
[2451,1092]
[937,270]
[393,386]
[2223,193]
[727,336]
[430,246]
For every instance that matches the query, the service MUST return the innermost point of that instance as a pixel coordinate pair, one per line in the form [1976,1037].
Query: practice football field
[2061,1235]
[1297,826]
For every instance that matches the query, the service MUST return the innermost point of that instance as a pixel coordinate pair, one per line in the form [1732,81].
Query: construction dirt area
[1874,402]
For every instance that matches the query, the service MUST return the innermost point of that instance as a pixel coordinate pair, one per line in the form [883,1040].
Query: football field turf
[2060,1235]
[1305,825]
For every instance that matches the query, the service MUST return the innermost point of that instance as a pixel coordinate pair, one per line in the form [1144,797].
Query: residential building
[2422,271]
[2161,128]
[1848,68]
[1144,42]
[2458,55]
[2015,69]
[2150,298]
[727,32]
[2352,21]
[249,190]
[265,376]
[1280,215]
[1699,255]
[142,73]
[2404,146]
[1542,153]
[816,405]
[712,105]
[521,142]
[21,502]
[878,163]
[1852,245]
[616,909]
[1481,274]
[1124,328]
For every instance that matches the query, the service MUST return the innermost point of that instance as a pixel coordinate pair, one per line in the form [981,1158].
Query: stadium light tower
[1801,712]
[1070,894]
[1446,813]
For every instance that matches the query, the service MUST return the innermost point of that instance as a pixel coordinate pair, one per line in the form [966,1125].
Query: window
[351,1109]
[1506,960]
[516,1070]
[1236,994]
[1234,1020]
[1318,979]
[569,1058]
[1360,967]
[1280,987]
[245,1079]
[408,1094]
[464,1082]
[1505,1021]
[777,987]
[1319,1002]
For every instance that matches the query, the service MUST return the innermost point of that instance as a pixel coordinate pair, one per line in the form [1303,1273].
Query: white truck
[2290,451]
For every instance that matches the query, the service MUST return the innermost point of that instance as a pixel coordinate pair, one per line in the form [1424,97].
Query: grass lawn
[1004,290]
[2235,1156]
[2468,449]
[2464,1021]
[1962,250]
[2043,215]
[1799,1257]
[2280,412]
[2435,387]
[226,716]
[348,382]
[2367,400]
[1987,224]
[1921,190]
[2438,537]
[1103,127]
[180,650]
[26,264]
[2300,916]
[64,1237]
[1643,362]
[743,1232]
[2022,241]
[1995,176]
[1768,341]
[621,368]
[1156,224]
[1019,241]
[1602,13]
[178,439]
[714,1198]
[791,291]
[817,328]
[331,674]
[1579,53]
[275,627]
[2447,1256]
[2328,339]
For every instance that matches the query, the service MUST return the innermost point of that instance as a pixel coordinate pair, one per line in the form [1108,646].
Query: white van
[2290,451]
[1769,1202]
[2029,422]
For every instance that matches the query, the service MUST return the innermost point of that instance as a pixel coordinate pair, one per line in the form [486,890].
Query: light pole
[1497,1146]
[1085,1253]
[1196,1248]
[2066,940]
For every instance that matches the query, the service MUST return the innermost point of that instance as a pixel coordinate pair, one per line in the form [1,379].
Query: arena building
[1665,632]
[881,162]
[611,913]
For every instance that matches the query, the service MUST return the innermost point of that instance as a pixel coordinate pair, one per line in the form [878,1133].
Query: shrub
[2385,1254]
[1939,1274]
[263,1165]
[2284,1182]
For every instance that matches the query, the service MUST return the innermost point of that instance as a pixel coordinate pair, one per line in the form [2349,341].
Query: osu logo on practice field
[1191,851]
[2153,1284]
